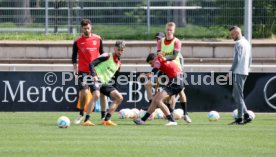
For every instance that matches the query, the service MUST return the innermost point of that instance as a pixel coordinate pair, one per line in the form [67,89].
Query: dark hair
[85,22]
[232,28]
[151,57]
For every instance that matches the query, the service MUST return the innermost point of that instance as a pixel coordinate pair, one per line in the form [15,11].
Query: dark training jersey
[87,49]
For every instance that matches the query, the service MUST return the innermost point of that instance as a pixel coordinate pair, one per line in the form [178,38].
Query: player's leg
[95,89]
[83,96]
[116,98]
[103,105]
[159,99]
[91,105]
[183,104]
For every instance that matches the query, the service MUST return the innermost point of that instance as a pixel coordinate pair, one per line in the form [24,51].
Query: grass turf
[35,134]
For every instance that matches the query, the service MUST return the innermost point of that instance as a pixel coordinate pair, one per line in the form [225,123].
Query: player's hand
[95,78]
[161,54]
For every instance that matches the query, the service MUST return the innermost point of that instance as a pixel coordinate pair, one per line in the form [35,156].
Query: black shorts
[175,86]
[82,80]
[105,89]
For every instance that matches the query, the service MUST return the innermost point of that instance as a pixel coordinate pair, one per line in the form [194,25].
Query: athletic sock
[87,117]
[184,107]
[170,108]
[169,117]
[102,114]
[145,117]
[107,117]
[81,112]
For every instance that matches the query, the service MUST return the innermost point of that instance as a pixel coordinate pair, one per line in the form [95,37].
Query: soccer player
[102,70]
[240,69]
[87,48]
[173,87]
[170,48]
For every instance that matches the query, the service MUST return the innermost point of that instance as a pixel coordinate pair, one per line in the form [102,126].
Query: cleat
[187,119]
[237,122]
[247,118]
[88,123]
[108,123]
[171,123]
[139,121]
[78,119]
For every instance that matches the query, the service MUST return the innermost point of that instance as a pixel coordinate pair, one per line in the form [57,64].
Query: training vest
[106,70]
[168,50]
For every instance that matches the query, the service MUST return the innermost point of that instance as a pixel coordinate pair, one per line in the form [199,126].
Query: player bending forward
[174,87]
[103,69]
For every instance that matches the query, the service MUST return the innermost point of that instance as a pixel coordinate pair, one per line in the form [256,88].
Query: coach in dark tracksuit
[240,68]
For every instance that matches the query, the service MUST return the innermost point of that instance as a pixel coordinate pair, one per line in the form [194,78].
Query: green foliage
[35,134]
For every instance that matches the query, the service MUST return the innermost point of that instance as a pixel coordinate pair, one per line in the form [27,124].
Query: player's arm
[97,61]
[74,57]
[101,47]
[172,57]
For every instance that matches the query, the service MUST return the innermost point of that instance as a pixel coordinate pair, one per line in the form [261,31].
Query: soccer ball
[124,113]
[235,114]
[63,122]
[159,114]
[251,114]
[213,116]
[178,114]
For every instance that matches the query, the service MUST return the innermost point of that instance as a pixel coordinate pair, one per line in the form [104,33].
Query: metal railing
[55,16]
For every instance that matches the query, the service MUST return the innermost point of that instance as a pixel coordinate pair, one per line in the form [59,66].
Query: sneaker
[108,123]
[88,123]
[139,121]
[247,118]
[78,119]
[171,123]
[187,119]
[237,122]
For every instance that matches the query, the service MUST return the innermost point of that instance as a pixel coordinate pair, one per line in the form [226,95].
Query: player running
[103,69]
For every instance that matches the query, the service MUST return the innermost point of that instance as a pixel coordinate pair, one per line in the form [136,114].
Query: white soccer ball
[63,122]
[158,114]
[213,116]
[178,114]
[235,114]
[135,113]
[124,113]
[251,114]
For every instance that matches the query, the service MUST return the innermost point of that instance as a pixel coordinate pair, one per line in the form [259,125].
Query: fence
[63,16]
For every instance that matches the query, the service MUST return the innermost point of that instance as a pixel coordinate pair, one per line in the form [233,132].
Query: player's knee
[120,98]
[96,95]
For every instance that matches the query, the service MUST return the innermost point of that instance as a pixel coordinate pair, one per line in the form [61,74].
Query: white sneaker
[187,119]
[78,119]
[171,123]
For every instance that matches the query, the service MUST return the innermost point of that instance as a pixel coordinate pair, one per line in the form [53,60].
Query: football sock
[107,117]
[87,117]
[184,107]
[102,114]
[145,117]
[169,117]
[170,108]
[81,112]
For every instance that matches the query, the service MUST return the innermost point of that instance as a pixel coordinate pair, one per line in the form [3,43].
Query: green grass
[113,32]
[35,134]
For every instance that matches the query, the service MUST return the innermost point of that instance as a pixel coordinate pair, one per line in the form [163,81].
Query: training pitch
[33,134]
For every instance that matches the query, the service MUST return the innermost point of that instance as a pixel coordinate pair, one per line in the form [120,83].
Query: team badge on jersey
[94,42]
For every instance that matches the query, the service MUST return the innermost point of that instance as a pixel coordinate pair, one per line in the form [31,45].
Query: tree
[23,16]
